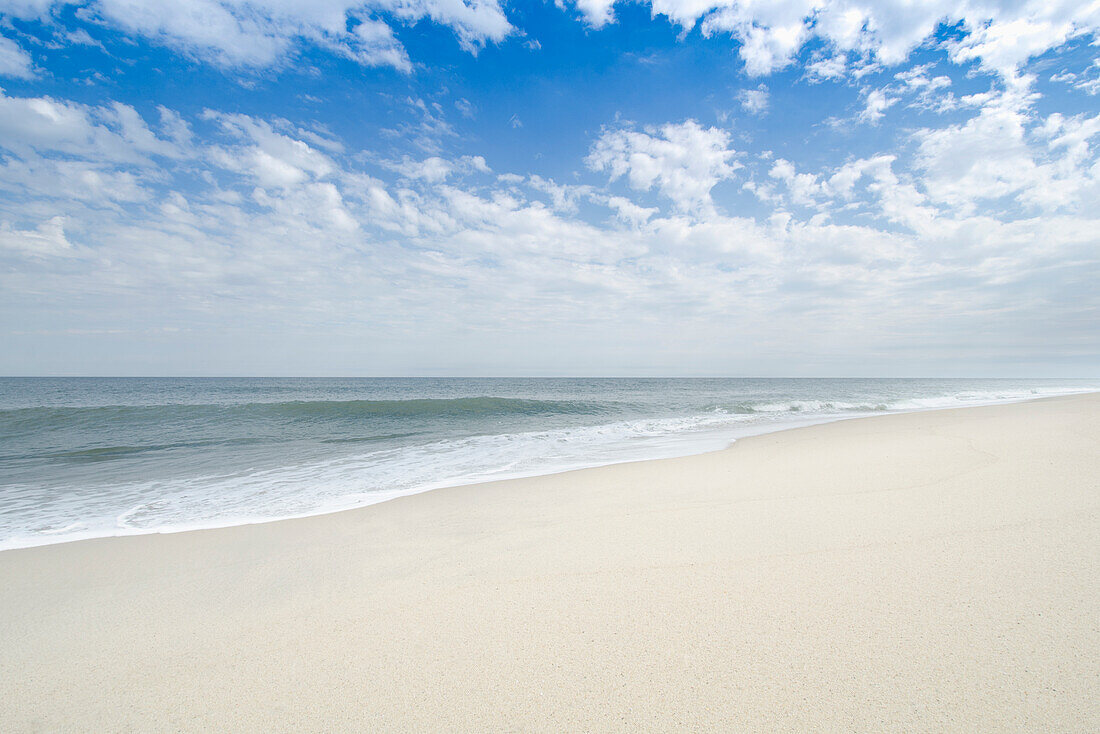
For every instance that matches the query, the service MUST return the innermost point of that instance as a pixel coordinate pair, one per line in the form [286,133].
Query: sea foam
[129,459]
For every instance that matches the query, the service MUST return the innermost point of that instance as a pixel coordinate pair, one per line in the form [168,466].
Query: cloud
[768,41]
[235,227]
[804,188]
[26,9]
[14,61]
[1006,40]
[1000,37]
[1088,81]
[754,101]
[995,154]
[429,127]
[257,34]
[107,134]
[435,169]
[375,45]
[822,67]
[563,197]
[596,13]
[465,108]
[627,211]
[272,159]
[475,22]
[875,104]
[683,161]
[46,240]
[263,33]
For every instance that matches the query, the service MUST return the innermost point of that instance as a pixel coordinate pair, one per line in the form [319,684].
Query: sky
[447,187]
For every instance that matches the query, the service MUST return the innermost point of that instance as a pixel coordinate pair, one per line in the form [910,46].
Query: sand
[926,571]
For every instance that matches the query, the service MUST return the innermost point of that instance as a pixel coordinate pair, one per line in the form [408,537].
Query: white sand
[928,571]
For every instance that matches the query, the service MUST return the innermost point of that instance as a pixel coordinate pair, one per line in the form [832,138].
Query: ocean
[92,457]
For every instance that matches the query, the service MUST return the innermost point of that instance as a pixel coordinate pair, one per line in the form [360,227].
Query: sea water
[89,457]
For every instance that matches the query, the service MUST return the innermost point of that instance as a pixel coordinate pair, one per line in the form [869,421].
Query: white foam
[379,475]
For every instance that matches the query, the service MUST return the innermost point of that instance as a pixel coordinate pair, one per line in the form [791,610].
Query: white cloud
[754,101]
[627,211]
[1088,81]
[475,22]
[435,169]
[803,187]
[926,89]
[875,104]
[465,108]
[1005,160]
[25,9]
[885,196]
[115,133]
[984,158]
[261,33]
[271,158]
[1072,134]
[682,161]
[234,226]
[14,61]
[994,155]
[1007,39]
[827,67]
[765,47]
[46,240]
[1000,36]
[376,46]
[102,184]
[563,197]
[597,13]
[429,129]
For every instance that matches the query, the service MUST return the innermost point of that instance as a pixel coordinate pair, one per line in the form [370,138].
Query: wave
[105,453]
[297,490]
[43,418]
[896,404]
[806,406]
[14,421]
[230,489]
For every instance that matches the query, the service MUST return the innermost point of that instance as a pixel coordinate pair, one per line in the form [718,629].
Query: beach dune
[922,571]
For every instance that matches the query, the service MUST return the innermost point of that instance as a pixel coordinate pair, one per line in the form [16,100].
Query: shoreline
[398,494]
[920,571]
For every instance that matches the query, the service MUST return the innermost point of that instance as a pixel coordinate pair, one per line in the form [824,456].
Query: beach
[922,571]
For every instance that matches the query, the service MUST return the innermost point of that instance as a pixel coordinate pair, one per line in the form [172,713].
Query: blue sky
[415,187]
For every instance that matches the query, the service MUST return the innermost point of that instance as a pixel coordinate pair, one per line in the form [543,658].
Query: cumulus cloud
[14,61]
[1087,81]
[754,101]
[46,240]
[1004,160]
[597,13]
[999,36]
[925,89]
[428,127]
[231,224]
[995,154]
[875,104]
[261,33]
[769,39]
[435,169]
[628,211]
[104,137]
[683,161]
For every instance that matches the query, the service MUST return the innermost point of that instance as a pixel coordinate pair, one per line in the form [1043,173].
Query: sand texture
[919,572]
